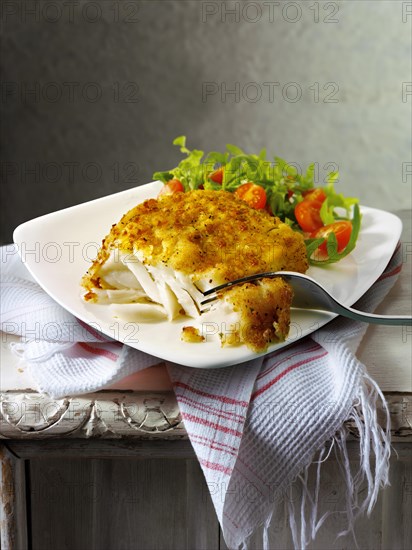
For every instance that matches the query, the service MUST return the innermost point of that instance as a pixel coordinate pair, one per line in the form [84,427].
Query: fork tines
[212,293]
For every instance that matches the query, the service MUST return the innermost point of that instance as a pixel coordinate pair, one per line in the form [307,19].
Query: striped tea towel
[255,427]
[65,356]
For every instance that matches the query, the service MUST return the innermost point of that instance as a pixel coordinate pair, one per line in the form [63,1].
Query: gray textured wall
[94,92]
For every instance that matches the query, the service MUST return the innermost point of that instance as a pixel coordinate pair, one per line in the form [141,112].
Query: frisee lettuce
[282,182]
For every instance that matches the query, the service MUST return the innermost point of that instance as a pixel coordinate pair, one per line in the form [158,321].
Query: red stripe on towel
[98,351]
[212,445]
[97,334]
[199,420]
[270,368]
[214,466]
[285,372]
[222,398]
[225,445]
[391,273]
[206,408]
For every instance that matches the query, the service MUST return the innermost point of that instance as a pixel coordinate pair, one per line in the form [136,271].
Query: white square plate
[58,249]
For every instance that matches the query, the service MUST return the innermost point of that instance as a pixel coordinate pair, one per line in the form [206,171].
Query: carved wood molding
[112,415]
[128,415]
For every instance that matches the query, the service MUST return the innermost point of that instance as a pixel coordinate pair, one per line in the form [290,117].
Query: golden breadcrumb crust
[264,310]
[192,335]
[204,233]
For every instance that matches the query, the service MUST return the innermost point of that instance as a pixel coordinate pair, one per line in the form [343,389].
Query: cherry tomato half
[217,175]
[308,215]
[253,194]
[315,195]
[171,187]
[342,230]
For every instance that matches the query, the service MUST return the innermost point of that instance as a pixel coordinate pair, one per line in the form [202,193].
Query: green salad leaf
[332,245]
[283,184]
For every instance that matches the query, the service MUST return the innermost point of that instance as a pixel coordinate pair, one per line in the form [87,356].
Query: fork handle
[319,298]
[373,318]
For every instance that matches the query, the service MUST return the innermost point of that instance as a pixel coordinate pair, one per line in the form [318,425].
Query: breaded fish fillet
[162,253]
[263,309]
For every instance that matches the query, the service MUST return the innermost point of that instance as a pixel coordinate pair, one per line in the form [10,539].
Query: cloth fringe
[374,454]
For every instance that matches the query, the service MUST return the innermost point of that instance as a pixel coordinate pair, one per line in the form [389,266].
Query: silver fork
[309,294]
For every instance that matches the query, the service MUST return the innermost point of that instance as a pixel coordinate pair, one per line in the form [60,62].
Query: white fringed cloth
[256,428]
